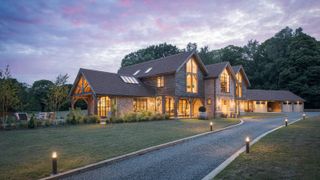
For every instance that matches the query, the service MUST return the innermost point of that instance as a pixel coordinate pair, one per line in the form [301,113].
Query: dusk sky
[41,39]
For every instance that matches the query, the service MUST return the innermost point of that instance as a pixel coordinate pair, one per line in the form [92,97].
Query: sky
[44,38]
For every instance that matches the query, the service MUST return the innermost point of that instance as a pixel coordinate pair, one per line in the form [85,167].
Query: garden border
[225,163]
[133,154]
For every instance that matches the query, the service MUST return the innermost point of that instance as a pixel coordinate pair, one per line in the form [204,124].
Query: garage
[274,106]
[275,101]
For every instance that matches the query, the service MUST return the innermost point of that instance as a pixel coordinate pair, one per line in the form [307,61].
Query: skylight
[136,72]
[148,70]
[130,80]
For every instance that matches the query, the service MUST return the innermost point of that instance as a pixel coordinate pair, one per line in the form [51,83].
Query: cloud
[40,39]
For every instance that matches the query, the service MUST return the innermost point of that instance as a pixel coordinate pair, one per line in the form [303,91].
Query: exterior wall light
[304,116]
[54,163]
[286,122]
[247,145]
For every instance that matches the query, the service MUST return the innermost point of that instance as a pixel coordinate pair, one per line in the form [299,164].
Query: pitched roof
[239,68]
[236,69]
[164,65]
[272,95]
[214,70]
[105,83]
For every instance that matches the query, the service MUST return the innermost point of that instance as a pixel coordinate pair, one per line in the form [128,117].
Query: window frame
[160,81]
[225,81]
[192,80]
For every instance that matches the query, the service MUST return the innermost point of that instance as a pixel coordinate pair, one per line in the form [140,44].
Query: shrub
[22,124]
[202,109]
[75,117]
[31,123]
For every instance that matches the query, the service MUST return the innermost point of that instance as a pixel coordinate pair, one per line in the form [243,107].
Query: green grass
[252,115]
[291,152]
[25,154]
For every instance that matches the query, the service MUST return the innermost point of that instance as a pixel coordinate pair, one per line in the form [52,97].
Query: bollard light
[54,163]
[304,116]
[286,122]
[211,124]
[247,145]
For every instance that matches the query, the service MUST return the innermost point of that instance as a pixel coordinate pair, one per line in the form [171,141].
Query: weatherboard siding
[180,84]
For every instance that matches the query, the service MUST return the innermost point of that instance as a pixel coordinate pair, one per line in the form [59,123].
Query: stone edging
[133,154]
[223,165]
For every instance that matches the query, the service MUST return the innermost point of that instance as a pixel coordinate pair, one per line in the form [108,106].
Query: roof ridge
[81,69]
[158,59]
[226,62]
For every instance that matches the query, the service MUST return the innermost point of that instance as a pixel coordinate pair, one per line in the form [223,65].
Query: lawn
[288,153]
[25,154]
[252,115]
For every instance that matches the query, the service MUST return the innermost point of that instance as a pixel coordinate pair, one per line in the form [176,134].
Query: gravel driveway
[193,159]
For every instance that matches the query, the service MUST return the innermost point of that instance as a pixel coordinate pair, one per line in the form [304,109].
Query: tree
[58,93]
[9,94]
[149,53]
[40,93]
[191,47]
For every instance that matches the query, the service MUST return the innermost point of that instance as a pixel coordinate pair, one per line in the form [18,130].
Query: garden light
[286,121]
[54,163]
[304,116]
[211,124]
[247,145]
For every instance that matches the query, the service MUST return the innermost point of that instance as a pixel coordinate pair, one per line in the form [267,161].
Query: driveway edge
[133,154]
[223,165]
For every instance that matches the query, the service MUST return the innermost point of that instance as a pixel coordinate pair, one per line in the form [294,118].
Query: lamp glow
[211,124]
[54,155]
[247,139]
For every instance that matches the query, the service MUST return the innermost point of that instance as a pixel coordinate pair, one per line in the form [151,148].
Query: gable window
[192,76]
[225,81]
[160,81]
[239,85]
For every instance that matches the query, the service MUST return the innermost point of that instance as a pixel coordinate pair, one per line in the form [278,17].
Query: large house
[178,85]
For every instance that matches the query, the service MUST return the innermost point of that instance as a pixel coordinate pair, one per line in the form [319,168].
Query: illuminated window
[82,86]
[225,81]
[209,102]
[239,85]
[104,104]
[140,104]
[192,76]
[160,81]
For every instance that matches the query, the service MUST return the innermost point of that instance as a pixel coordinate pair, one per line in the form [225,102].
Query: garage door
[286,107]
[298,107]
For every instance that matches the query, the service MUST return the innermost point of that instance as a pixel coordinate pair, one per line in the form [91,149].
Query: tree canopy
[289,60]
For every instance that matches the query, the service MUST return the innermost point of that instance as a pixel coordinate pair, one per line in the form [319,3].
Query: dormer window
[160,81]
[136,72]
[225,81]
[192,76]
[148,70]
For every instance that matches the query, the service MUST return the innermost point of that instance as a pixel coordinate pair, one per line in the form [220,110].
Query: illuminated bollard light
[304,116]
[286,122]
[54,163]
[247,145]
[211,124]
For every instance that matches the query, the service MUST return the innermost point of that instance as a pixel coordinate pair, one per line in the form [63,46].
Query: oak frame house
[177,85]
